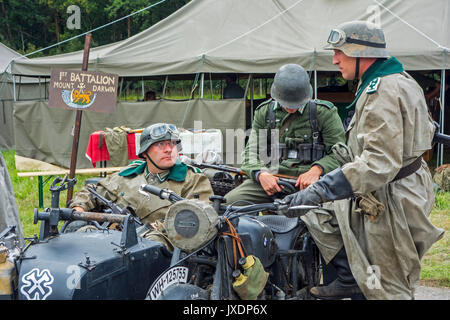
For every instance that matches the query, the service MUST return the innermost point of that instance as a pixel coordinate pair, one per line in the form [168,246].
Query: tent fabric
[44,133]
[255,36]
[9,213]
[30,88]
[6,55]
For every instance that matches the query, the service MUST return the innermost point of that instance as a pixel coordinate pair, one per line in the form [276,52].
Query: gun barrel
[114,207]
[442,139]
[98,216]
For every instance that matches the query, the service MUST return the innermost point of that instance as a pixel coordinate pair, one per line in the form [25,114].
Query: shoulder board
[194,169]
[264,103]
[324,103]
[373,86]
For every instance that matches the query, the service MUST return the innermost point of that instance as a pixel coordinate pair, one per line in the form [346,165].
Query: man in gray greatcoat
[383,193]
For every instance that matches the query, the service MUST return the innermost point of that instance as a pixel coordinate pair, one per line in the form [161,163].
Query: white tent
[258,36]
[29,89]
[217,36]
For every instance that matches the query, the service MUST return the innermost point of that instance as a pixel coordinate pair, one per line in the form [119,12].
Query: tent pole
[143,93]
[165,86]
[120,90]
[260,86]
[202,83]
[440,147]
[40,93]
[18,89]
[442,111]
[315,84]
[252,91]
[211,86]
[14,87]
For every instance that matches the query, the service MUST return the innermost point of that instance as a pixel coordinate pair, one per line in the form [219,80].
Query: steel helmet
[155,133]
[291,86]
[358,39]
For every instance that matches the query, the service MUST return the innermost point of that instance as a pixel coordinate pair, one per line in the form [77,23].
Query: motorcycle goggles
[159,130]
[338,37]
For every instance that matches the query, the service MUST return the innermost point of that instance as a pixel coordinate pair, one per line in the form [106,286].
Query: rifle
[284,179]
[114,207]
[440,137]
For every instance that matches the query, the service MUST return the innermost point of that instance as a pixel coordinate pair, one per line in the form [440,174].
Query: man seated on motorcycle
[307,129]
[159,147]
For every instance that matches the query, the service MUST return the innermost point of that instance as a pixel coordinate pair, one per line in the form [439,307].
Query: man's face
[345,63]
[163,153]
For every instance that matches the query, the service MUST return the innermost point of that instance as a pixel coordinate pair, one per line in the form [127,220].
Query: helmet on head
[155,133]
[291,86]
[360,39]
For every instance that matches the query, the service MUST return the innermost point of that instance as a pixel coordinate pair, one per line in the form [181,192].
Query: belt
[409,169]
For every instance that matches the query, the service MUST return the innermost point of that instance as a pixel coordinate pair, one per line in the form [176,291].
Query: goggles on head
[338,37]
[159,130]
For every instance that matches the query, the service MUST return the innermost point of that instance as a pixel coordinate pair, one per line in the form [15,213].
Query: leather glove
[333,186]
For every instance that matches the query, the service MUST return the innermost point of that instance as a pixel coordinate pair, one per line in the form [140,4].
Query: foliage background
[29,25]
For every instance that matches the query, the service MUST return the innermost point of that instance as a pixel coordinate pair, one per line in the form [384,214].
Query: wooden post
[76,136]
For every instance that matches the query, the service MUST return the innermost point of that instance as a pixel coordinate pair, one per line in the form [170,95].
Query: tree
[29,25]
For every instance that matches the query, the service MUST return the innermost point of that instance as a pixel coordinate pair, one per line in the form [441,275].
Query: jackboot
[344,286]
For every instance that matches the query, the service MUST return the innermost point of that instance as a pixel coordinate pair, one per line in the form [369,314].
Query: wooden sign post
[76,136]
[82,90]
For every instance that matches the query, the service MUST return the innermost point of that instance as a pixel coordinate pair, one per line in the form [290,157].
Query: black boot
[344,286]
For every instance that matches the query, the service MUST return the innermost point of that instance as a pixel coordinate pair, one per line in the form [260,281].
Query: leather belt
[409,169]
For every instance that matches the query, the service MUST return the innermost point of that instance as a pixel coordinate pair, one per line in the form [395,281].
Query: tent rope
[256,28]
[412,27]
[85,33]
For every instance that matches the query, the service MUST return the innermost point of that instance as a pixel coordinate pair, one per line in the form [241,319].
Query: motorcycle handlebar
[161,193]
[278,206]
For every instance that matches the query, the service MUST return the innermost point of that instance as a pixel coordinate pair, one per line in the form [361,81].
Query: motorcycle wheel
[184,292]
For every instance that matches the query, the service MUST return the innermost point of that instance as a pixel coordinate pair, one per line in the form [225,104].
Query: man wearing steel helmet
[159,147]
[306,128]
[389,132]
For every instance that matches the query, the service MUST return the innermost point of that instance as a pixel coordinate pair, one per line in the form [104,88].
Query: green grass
[27,196]
[435,264]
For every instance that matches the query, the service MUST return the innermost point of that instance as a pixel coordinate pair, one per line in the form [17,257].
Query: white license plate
[171,276]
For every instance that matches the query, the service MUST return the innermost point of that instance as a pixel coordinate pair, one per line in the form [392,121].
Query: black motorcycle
[98,264]
[215,243]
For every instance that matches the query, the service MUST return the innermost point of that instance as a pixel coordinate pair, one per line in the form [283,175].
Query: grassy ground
[435,264]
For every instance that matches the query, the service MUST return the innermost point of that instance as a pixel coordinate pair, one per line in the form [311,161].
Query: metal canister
[7,275]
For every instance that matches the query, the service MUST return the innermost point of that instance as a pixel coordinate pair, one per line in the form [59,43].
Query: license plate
[168,278]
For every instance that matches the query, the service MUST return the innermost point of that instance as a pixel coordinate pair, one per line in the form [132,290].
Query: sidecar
[90,265]
[95,264]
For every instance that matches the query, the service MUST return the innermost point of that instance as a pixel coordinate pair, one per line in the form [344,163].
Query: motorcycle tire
[184,292]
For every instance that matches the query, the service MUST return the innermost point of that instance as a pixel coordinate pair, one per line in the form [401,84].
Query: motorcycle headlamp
[190,224]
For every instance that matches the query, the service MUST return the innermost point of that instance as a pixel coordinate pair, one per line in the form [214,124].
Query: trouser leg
[344,286]
[248,191]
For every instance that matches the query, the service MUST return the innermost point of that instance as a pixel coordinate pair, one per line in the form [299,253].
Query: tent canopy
[255,36]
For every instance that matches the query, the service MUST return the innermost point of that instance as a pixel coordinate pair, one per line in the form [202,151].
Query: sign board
[83,90]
